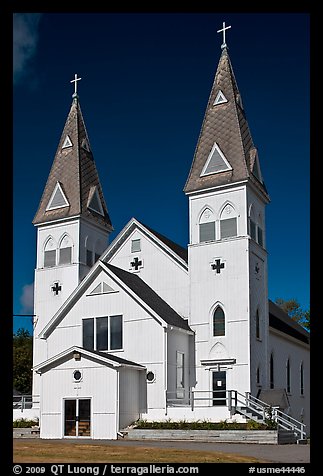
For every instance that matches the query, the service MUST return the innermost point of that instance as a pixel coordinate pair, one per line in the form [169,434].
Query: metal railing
[196,398]
[25,402]
[237,401]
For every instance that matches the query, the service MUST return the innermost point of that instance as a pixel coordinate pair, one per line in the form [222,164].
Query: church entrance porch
[77,417]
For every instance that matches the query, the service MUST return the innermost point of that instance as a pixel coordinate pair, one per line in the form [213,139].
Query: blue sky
[146,78]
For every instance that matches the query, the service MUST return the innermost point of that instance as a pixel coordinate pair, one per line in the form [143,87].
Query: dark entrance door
[77,417]
[219,388]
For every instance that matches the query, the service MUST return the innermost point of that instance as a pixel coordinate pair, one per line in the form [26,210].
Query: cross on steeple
[75,84]
[217,266]
[223,29]
[56,288]
[136,263]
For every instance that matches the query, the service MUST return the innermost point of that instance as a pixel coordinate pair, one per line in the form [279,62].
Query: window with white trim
[135,246]
[288,386]
[301,379]
[207,226]
[257,325]
[50,253]
[65,250]
[180,384]
[103,333]
[228,222]
[271,371]
[218,322]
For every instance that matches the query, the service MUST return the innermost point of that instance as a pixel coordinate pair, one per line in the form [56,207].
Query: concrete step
[225,436]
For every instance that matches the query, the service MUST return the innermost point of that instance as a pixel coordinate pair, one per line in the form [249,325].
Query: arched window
[50,253]
[258,375]
[228,222]
[65,250]
[288,376]
[260,235]
[301,378]
[218,322]
[207,226]
[89,255]
[252,223]
[98,250]
[271,371]
[257,325]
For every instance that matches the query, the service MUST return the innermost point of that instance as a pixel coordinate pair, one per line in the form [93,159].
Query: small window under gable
[220,98]
[94,202]
[58,198]
[135,246]
[67,142]
[216,162]
[102,288]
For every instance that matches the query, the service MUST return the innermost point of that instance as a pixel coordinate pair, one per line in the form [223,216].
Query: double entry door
[77,417]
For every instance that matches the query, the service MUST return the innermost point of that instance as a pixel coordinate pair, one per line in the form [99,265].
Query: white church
[143,328]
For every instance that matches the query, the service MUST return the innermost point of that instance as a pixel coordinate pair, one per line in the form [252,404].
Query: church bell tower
[227,247]
[73,224]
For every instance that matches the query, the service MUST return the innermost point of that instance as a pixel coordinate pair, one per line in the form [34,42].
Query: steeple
[73,187]
[225,152]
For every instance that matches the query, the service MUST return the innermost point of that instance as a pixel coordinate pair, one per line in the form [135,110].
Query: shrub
[24,423]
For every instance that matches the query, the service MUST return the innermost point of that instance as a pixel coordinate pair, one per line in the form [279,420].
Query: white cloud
[27,298]
[25,39]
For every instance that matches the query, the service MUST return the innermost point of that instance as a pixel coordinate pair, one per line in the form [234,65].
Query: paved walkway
[293,454]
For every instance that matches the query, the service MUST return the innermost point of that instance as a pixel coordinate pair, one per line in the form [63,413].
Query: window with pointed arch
[271,371]
[288,386]
[258,376]
[50,253]
[89,253]
[218,322]
[257,325]
[207,226]
[228,222]
[252,223]
[65,250]
[301,378]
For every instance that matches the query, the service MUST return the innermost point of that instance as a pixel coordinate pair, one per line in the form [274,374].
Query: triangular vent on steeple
[220,98]
[94,202]
[216,162]
[85,145]
[67,142]
[256,169]
[102,288]
[57,199]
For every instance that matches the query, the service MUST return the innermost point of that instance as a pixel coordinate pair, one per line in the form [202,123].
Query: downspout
[165,368]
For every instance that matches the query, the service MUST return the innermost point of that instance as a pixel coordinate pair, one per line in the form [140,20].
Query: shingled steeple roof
[225,152]
[73,187]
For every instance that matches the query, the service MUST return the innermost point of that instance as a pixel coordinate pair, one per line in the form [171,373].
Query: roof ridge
[150,297]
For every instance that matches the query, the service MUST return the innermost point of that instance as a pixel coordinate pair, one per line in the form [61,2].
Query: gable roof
[101,356]
[150,297]
[178,249]
[133,284]
[278,319]
[178,253]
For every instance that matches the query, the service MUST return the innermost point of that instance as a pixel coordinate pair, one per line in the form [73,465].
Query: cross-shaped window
[217,266]
[136,263]
[56,288]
